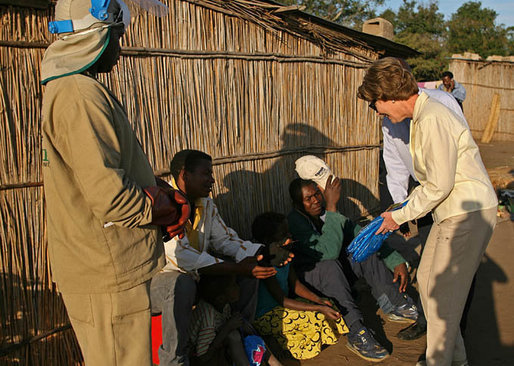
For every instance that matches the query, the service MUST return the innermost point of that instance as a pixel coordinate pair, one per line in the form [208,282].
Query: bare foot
[273,361]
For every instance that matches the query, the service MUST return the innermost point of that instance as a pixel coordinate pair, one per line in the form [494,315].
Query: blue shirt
[266,301]
[458,91]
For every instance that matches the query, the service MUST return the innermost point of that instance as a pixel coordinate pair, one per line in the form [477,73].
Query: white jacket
[215,238]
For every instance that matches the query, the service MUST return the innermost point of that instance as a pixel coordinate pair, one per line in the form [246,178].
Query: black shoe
[413,331]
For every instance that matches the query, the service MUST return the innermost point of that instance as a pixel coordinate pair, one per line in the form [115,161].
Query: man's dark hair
[295,191]
[269,227]
[447,73]
[187,160]
[212,286]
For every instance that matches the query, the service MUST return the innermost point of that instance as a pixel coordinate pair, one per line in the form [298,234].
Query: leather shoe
[413,331]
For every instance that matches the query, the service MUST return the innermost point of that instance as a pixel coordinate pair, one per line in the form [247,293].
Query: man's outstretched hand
[276,254]
[250,268]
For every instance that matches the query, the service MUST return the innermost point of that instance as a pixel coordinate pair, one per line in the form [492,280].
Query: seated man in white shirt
[199,252]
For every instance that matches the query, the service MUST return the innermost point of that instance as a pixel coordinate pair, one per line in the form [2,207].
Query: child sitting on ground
[215,335]
[214,328]
[300,326]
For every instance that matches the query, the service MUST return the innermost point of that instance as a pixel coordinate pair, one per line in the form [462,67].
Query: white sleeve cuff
[206,260]
[247,249]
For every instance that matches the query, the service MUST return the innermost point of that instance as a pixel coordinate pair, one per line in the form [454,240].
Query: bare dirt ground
[490,332]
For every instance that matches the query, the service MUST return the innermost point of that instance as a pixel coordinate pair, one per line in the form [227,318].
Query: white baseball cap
[312,167]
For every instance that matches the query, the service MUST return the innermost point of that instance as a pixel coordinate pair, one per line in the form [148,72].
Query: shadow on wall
[268,191]
[28,335]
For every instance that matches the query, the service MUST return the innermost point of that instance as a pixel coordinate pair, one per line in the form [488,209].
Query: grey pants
[173,294]
[328,279]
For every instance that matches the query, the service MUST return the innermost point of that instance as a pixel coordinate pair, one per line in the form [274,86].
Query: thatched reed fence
[251,83]
[482,79]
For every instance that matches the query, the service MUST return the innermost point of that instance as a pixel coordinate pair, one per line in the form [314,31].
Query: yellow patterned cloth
[302,333]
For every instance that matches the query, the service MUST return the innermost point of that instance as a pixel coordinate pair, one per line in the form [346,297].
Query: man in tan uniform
[103,203]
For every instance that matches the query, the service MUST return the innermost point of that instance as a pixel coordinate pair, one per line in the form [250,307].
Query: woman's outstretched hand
[388,225]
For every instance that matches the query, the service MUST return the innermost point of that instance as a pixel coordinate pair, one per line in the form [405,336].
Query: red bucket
[156,337]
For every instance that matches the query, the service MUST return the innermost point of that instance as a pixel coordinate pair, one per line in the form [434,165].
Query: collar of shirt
[422,98]
[193,229]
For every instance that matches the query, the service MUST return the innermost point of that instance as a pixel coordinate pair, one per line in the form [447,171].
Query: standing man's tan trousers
[113,329]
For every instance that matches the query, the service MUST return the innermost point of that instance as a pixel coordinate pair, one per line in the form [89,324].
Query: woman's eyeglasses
[373,106]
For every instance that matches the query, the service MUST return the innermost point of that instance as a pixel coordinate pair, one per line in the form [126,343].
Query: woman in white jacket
[454,186]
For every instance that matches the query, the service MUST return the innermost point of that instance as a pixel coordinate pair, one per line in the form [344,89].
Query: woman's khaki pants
[449,261]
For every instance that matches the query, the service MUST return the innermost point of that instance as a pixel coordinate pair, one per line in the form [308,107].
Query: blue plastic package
[366,242]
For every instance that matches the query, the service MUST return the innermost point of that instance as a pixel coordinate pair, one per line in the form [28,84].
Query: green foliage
[425,19]
[389,15]
[510,40]
[351,13]
[472,29]
[433,59]
[421,27]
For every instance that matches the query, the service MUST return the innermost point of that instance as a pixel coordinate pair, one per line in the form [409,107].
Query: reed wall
[255,91]
[482,79]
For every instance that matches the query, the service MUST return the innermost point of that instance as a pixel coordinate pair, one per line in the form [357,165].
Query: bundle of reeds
[482,80]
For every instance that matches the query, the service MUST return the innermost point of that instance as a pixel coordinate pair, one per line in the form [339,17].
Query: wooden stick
[23,44]
[255,56]
[4,187]
[38,4]
[494,115]
[15,346]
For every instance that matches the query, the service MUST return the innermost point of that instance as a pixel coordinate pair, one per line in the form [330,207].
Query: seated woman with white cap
[322,233]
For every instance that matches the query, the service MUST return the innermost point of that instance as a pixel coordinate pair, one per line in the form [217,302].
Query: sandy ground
[490,332]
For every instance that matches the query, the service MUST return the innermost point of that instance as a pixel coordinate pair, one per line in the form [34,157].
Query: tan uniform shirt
[99,237]
[447,164]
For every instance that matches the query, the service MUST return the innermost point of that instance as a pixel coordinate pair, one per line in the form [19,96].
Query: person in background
[209,247]
[299,325]
[450,85]
[454,186]
[104,205]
